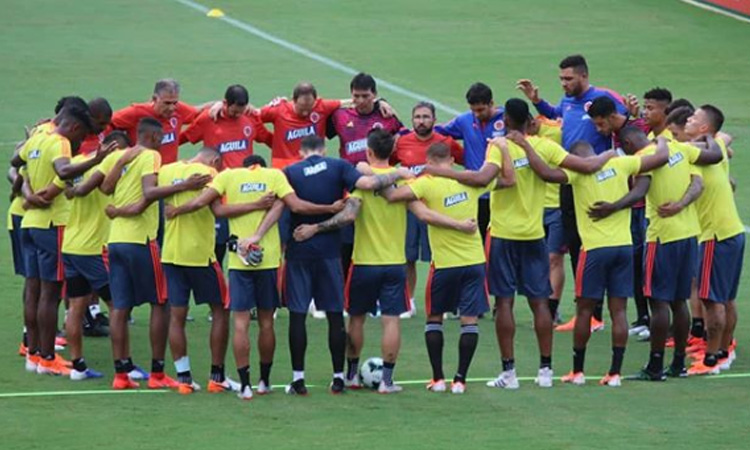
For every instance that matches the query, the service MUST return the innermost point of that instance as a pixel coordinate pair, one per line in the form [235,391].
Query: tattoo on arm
[343,218]
[385,179]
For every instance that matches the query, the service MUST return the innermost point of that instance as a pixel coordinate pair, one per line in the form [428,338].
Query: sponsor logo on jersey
[455,199]
[317,168]
[248,130]
[178,181]
[675,159]
[252,187]
[416,170]
[168,138]
[35,154]
[605,174]
[233,146]
[314,117]
[299,133]
[357,146]
[520,163]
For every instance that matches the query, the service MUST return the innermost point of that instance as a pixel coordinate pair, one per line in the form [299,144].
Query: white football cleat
[246,394]
[437,386]
[544,377]
[506,380]
[392,389]
[263,388]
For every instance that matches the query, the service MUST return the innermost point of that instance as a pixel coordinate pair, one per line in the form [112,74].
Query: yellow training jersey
[608,185]
[244,185]
[129,190]
[381,229]
[551,129]
[88,226]
[669,184]
[189,239]
[451,248]
[717,210]
[40,153]
[666,133]
[517,212]
[16,205]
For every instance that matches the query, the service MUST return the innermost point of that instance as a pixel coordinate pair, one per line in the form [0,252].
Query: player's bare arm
[657,159]
[434,218]
[85,188]
[602,210]
[541,168]
[382,180]
[113,176]
[343,218]
[478,178]
[299,206]
[205,198]
[65,170]
[693,191]
[507,177]
[153,192]
[240,209]
[529,89]
[398,194]
[269,220]
[131,210]
[712,154]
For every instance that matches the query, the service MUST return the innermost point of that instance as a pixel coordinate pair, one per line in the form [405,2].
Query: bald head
[101,113]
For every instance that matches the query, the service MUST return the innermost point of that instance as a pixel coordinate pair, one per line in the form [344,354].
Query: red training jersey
[411,151]
[232,138]
[127,119]
[289,128]
[352,129]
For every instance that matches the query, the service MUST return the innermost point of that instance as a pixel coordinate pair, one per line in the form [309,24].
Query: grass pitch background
[117,49]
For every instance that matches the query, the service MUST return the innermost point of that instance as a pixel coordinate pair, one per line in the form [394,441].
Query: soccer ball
[371,372]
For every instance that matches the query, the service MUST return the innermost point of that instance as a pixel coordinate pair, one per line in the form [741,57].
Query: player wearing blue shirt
[475,127]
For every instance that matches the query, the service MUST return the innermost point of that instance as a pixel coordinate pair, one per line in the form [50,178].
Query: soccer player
[246,193]
[378,273]
[457,274]
[232,134]
[136,275]
[410,150]
[518,255]
[722,244]
[47,156]
[671,244]
[483,121]
[655,104]
[606,263]
[313,268]
[101,115]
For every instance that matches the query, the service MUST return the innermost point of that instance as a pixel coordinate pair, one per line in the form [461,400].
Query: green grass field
[117,49]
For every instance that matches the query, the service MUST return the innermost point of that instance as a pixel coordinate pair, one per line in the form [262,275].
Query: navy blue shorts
[607,269]
[88,273]
[135,275]
[285,226]
[519,266]
[250,289]
[554,234]
[42,250]
[222,230]
[457,289]
[417,242]
[308,279]
[368,285]
[638,228]
[721,268]
[207,285]
[16,245]
[669,269]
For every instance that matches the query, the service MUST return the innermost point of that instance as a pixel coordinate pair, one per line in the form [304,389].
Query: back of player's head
[581,148]
[479,93]
[71,100]
[715,117]
[312,144]
[100,107]
[602,107]
[576,62]
[632,134]
[302,89]
[679,116]
[254,160]
[363,82]
[679,103]
[148,125]
[426,105]
[659,94]
[209,156]
[119,136]
[438,152]
[76,114]
[166,85]
[236,94]
[516,112]
[381,143]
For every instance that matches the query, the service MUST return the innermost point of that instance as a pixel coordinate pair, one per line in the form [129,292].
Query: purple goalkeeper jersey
[352,129]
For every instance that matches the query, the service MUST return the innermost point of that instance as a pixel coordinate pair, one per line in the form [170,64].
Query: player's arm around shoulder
[343,218]
[536,162]
[434,218]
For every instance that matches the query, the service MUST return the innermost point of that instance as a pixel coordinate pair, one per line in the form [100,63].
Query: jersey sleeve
[195,131]
[551,152]
[419,186]
[164,173]
[151,163]
[108,163]
[262,134]
[350,175]
[188,113]
[329,106]
[494,156]
[452,129]
[126,118]
[692,152]
[60,149]
[269,113]
[456,150]
[219,183]
[547,110]
[630,164]
[572,176]
[281,186]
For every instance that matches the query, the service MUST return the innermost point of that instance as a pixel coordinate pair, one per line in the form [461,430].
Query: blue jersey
[576,123]
[320,180]
[474,134]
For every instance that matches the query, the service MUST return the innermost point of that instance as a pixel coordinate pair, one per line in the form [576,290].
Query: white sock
[298,375]
[95,310]
[182,364]
[338,375]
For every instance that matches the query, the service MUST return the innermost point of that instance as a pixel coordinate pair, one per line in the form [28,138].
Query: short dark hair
[679,116]
[166,85]
[380,142]
[631,132]
[117,135]
[209,151]
[363,82]
[70,100]
[517,110]
[236,94]
[659,94]
[715,116]
[314,143]
[439,151]
[100,107]
[479,93]
[303,89]
[602,107]
[679,103]
[577,62]
[579,146]
[254,160]
[423,104]
[78,114]
[147,125]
